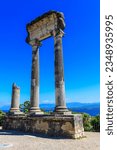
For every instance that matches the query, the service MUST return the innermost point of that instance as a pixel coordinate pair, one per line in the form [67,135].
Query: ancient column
[59,74]
[15,99]
[34,98]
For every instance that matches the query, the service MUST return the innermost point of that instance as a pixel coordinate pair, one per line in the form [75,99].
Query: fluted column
[59,74]
[34,98]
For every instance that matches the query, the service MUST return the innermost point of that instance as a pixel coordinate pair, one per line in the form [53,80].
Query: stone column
[59,74]
[34,98]
[15,99]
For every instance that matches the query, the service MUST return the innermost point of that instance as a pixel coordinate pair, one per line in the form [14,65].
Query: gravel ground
[21,141]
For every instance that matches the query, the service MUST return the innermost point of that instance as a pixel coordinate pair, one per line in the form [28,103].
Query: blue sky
[80,48]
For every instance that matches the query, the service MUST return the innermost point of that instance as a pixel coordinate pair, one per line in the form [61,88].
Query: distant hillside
[90,108]
[74,104]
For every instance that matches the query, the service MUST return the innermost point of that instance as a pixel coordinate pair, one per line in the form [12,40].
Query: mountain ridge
[91,108]
[71,104]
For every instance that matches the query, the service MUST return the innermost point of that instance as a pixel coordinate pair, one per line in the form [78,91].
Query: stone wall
[69,126]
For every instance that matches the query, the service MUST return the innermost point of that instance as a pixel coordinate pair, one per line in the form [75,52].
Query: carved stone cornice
[43,26]
[49,15]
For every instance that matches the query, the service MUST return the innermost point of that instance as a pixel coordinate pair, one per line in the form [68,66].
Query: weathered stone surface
[14,110]
[59,74]
[43,26]
[67,126]
[34,98]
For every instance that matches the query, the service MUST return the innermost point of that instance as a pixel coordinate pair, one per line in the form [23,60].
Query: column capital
[58,32]
[35,42]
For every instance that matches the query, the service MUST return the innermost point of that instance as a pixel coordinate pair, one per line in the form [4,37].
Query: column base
[35,111]
[15,111]
[62,110]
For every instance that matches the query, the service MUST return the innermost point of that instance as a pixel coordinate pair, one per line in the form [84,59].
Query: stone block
[69,126]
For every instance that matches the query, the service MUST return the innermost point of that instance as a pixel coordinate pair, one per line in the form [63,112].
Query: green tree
[95,122]
[87,122]
[2,114]
[25,107]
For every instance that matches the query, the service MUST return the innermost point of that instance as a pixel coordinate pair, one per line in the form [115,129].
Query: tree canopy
[25,107]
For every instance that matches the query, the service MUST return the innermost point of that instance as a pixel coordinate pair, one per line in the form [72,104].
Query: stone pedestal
[68,126]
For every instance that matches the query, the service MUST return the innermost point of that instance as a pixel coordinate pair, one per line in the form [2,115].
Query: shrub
[91,123]
[95,122]
[25,107]
[87,122]
[2,114]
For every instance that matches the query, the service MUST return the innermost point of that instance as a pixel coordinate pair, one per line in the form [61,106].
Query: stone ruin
[61,122]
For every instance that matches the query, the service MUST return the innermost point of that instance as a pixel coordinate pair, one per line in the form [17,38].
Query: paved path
[21,141]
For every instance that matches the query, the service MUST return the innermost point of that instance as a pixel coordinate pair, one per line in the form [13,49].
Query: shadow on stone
[29,134]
